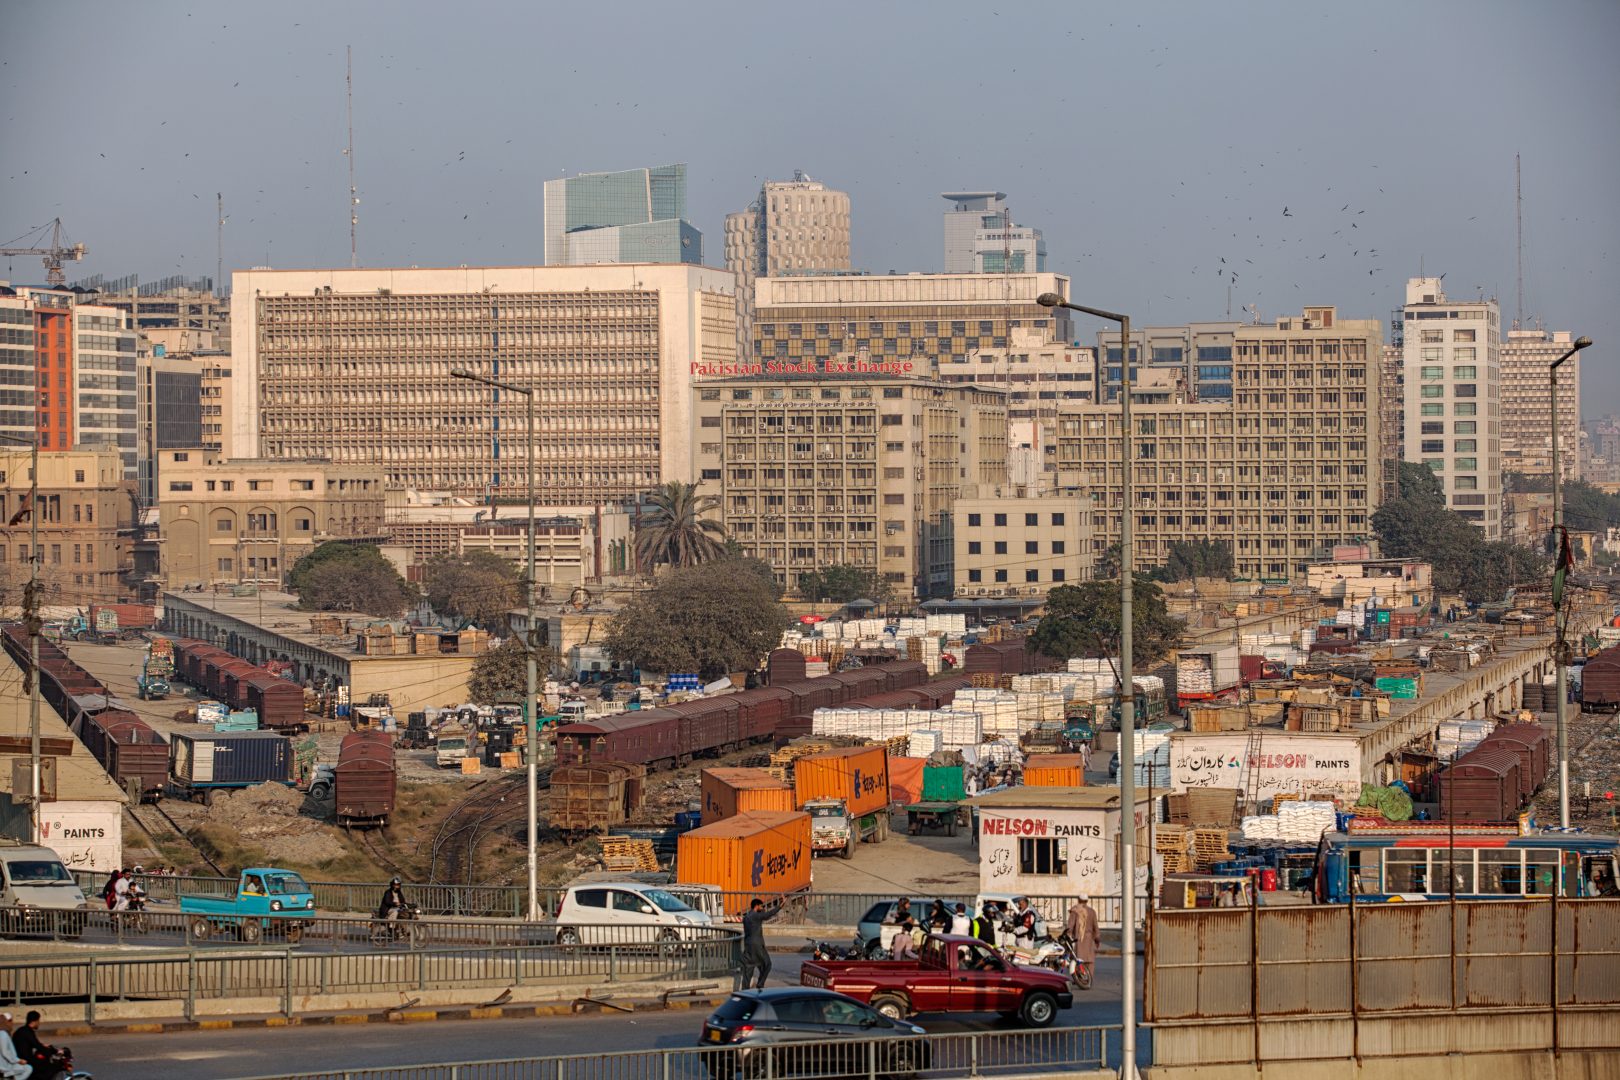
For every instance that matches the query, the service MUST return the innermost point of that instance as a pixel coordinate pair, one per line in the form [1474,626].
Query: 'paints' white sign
[1281,763]
[87,835]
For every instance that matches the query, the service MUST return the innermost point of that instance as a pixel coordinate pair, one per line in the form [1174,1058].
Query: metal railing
[511,902]
[967,1055]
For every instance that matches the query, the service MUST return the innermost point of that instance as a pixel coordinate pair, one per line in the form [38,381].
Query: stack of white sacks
[924,743]
[1457,737]
[951,729]
[1152,753]
[997,710]
[1293,823]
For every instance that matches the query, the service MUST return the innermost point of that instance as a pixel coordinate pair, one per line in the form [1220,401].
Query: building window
[1466,371]
[1467,464]
[1032,575]
[1001,547]
[1057,519]
[1460,335]
[179,485]
[1048,858]
[1001,520]
[1466,408]
[1434,427]
[1465,390]
[973,521]
[302,524]
[78,476]
[222,525]
[1060,575]
[1464,427]
[1466,483]
[1059,547]
[181,455]
[224,565]
[1432,391]
[1001,575]
[975,575]
[1435,464]
[1466,446]
[1433,446]
[1435,372]
[1032,519]
[974,547]
[711,474]
[1433,410]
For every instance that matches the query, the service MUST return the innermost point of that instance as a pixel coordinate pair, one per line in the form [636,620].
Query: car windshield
[826,811]
[666,901]
[38,872]
[284,884]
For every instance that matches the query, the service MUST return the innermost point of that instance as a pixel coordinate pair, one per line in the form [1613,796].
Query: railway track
[174,828]
[376,849]
[453,860]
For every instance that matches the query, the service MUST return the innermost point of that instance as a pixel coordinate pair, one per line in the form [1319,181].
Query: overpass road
[242,1052]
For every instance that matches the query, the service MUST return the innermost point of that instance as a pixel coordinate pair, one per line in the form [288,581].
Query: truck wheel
[1039,1010]
[891,1005]
[200,929]
[249,931]
[950,826]
[849,848]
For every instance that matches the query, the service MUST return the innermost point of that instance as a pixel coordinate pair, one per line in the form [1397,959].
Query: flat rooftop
[1057,798]
[278,613]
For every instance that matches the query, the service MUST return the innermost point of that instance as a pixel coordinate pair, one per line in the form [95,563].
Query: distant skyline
[1147,142]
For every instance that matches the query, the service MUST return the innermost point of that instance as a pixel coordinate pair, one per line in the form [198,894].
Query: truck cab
[266,898]
[450,747]
[833,829]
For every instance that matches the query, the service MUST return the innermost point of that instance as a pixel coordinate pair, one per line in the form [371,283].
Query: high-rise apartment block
[896,324]
[633,216]
[355,366]
[981,238]
[814,472]
[1197,358]
[1452,388]
[794,227]
[1281,473]
[68,372]
[1527,423]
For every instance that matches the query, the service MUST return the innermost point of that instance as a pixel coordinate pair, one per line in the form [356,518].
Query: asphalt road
[252,1052]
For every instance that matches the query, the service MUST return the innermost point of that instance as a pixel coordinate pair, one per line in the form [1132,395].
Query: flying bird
[1286,213]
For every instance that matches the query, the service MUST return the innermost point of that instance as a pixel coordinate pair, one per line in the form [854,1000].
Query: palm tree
[674,527]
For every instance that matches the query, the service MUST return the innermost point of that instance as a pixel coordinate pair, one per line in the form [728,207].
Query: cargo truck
[747,855]
[846,793]
[1205,673]
[450,747]
[943,790]
[207,762]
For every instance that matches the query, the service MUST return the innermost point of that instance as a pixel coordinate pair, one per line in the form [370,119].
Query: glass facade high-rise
[634,216]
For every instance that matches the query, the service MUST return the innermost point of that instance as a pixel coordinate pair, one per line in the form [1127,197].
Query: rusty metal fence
[1378,962]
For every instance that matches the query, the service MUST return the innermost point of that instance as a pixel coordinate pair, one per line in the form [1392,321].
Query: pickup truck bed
[953,974]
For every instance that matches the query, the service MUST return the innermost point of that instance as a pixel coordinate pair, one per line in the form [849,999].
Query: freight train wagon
[1600,681]
[279,703]
[129,750]
[365,779]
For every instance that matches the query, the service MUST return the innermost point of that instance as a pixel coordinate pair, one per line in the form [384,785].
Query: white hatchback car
[623,913]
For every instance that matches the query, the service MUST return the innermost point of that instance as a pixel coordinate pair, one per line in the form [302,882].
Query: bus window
[1405,870]
[1598,873]
[1364,871]
[1461,879]
[1540,872]
[1500,873]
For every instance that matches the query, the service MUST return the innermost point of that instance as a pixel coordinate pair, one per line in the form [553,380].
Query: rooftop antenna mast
[348,152]
[1518,226]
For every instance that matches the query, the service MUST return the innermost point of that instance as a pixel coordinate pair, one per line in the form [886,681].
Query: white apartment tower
[795,227]
[1526,421]
[1452,391]
[982,238]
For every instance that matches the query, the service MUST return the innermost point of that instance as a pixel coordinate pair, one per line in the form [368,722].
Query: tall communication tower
[348,152]
[1518,226]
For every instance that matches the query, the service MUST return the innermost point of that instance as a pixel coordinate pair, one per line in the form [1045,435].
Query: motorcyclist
[1022,920]
[30,1048]
[393,901]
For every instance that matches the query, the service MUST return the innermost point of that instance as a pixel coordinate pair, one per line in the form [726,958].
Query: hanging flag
[1566,563]
[23,511]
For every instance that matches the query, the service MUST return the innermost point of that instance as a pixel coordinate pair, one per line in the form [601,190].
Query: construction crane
[59,251]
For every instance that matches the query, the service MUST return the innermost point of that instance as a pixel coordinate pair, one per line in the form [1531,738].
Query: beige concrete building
[354,365]
[1527,408]
[795,227]
[1285,471]
[269,626]
[1391,416]
[230,521]
[1451,360]
[898,324]
[1020,546]
[86,526]
[813,472]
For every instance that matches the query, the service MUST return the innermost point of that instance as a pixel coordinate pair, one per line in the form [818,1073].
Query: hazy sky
[1148,141]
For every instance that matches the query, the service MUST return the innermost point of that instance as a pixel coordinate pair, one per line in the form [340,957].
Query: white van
[33,879]
[605,914]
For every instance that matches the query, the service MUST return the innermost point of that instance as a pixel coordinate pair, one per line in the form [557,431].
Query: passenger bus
[1379,863]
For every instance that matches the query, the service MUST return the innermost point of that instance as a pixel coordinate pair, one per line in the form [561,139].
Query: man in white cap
[12,1066]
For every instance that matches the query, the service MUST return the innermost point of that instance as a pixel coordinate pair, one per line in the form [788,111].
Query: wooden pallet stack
[899,746]
[1170,844]
[984,680]
[1209,847]
[623,853]
[782,760]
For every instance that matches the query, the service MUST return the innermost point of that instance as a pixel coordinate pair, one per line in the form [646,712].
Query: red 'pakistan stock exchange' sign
[805,367]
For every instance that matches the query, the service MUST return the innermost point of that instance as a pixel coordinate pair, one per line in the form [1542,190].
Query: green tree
[844,582]
[719,617]
[350,577]
[503,673]
[1078,617]
[479,587]
[676,526]
[1108,563]
[1198,559]
[1418,482]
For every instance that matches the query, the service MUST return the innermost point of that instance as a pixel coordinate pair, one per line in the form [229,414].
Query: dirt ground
[1594,759]
[903,864]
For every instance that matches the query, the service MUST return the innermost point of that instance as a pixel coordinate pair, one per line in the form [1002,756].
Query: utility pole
[31,621]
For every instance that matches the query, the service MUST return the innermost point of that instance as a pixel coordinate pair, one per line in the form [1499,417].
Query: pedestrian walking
[960,923]
[1080,928]
[755,957]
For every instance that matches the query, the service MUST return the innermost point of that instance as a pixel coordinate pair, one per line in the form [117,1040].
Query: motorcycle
[59,1066]
[388,931]
[1055,954]
[133,917]
[823,950]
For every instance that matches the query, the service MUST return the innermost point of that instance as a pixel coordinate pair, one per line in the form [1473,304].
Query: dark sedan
[799,1031]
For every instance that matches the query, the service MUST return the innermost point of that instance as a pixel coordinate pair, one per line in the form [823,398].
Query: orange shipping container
[906,779]
[857,774]
[727,792]
[745,855]
[1055,770]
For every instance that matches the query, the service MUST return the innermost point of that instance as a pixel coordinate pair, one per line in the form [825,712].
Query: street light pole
[1560,618]
[32,624]
[1127,689]
[532,702]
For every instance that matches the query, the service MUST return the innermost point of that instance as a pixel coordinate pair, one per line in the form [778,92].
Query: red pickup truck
[951,974]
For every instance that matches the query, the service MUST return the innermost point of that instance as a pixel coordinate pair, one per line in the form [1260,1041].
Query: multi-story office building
[1392,413]
[813,472]
[981,238]
[794,227]
[1527,423]
[1197,357]
[235,521]
[1281,473]
[899,324]
[170,415]
[573,546]
[1452,397]
[1021,546]
[633,216]
[174,303]
[355,366]
[86,525]
[80,380]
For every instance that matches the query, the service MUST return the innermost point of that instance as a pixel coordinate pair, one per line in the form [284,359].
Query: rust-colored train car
[365,782]
[279,703]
